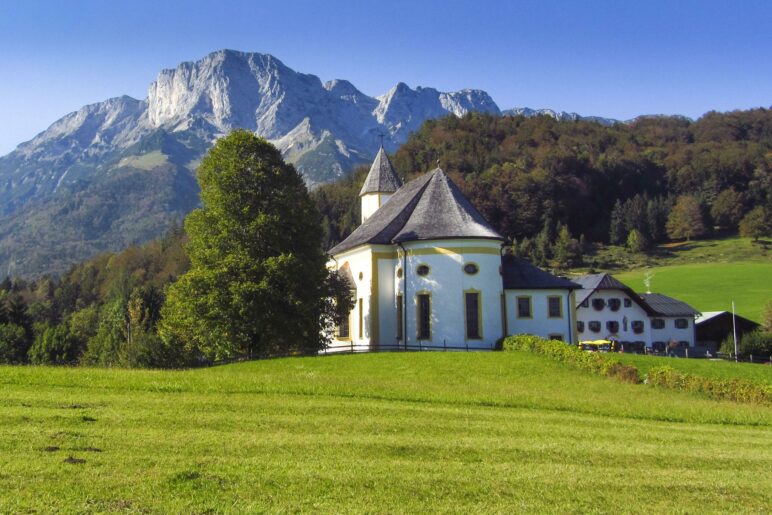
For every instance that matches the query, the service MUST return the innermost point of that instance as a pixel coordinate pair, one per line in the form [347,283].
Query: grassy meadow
[711,286]
[413,432]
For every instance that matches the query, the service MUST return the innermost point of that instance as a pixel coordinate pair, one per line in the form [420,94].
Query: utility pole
[734,334]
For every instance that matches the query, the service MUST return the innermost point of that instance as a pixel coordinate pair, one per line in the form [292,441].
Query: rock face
[120,171]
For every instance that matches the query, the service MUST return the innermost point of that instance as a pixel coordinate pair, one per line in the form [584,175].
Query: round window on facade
[471,268]
[361,276]
[422,270]
[399,273]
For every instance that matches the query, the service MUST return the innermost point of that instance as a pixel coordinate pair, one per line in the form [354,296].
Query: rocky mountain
[120,171]
[558,115]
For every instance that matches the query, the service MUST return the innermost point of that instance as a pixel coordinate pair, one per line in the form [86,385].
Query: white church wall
[540,323]
[371,202]
[632,313]
[446,284]
[360,264]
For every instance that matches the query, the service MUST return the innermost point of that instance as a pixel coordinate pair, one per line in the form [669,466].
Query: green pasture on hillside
[711,286]
[399,432]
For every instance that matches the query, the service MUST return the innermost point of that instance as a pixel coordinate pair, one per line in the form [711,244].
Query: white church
[428,271]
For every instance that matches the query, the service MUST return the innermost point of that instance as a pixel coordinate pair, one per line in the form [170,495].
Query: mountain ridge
[54,187]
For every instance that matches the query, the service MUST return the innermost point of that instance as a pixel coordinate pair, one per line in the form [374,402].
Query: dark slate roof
[382,178]
[430,207]
[668,306]
[594,282]
[519,274]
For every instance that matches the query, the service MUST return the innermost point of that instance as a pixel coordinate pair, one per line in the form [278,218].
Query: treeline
[619,184]
[103,312]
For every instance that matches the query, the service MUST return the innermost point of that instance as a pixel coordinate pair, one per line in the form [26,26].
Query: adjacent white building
[428,271]
[608,309]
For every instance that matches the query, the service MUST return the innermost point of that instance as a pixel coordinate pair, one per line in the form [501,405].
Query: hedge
[739,390]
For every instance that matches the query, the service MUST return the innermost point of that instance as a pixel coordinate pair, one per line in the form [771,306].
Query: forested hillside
[533,175]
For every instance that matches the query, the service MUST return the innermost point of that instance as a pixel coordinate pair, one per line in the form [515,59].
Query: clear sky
[611,58]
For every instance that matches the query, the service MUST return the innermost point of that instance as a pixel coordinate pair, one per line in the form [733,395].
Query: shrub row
[667,377]
[595,362]
[733,389]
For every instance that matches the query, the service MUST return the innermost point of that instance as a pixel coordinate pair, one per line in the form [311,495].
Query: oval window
[361,276]
[471,268]
[399,273]
[422,270]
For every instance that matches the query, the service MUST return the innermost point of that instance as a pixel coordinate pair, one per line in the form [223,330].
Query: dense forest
[535,178]
[552,187]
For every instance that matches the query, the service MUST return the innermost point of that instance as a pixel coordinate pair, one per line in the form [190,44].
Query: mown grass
[717,369]
[711,286]
[415,432]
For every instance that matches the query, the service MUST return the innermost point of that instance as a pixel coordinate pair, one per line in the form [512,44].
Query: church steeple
[380,184]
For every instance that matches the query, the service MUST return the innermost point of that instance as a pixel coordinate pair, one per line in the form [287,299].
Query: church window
[471,268]
[598,304]
[400,317]
[344,330]
[555,307]
[424,316]
[422,270]
[399,273]
[524,307]
[472,306]
[361,276]
[614,304]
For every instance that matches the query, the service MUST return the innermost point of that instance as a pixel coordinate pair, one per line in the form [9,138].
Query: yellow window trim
[479,314]
[530,307]
[560,306]
[418,313]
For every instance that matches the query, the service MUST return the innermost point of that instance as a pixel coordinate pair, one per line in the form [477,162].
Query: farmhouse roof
[668,306]
[591,283]
[430,207]
[708,317]
[519,274]
[382,178]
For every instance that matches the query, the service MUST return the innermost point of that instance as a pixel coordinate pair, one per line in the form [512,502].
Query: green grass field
[413,432]
[711,286]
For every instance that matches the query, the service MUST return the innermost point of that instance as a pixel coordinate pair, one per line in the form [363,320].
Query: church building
[428,271]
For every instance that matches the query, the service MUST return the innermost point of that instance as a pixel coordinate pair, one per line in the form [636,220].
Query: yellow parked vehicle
[599,345]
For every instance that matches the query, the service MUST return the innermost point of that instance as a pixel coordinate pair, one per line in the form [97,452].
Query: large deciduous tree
[685,220]
[257,282]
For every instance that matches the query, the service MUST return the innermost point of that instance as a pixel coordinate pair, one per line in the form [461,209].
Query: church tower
[380,184]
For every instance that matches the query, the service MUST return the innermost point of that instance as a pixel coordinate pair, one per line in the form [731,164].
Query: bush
[732,389]
[756,342]
[597,363]
[55,346]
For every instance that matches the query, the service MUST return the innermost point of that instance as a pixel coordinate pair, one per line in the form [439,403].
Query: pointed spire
[382,177]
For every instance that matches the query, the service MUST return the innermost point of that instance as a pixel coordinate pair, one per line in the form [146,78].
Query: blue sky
[608,58]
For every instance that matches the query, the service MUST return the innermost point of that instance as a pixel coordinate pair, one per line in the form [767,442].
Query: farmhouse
[607,308]
[427,270]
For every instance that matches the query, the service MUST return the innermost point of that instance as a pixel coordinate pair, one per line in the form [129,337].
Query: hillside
[416,432]
[708,274]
